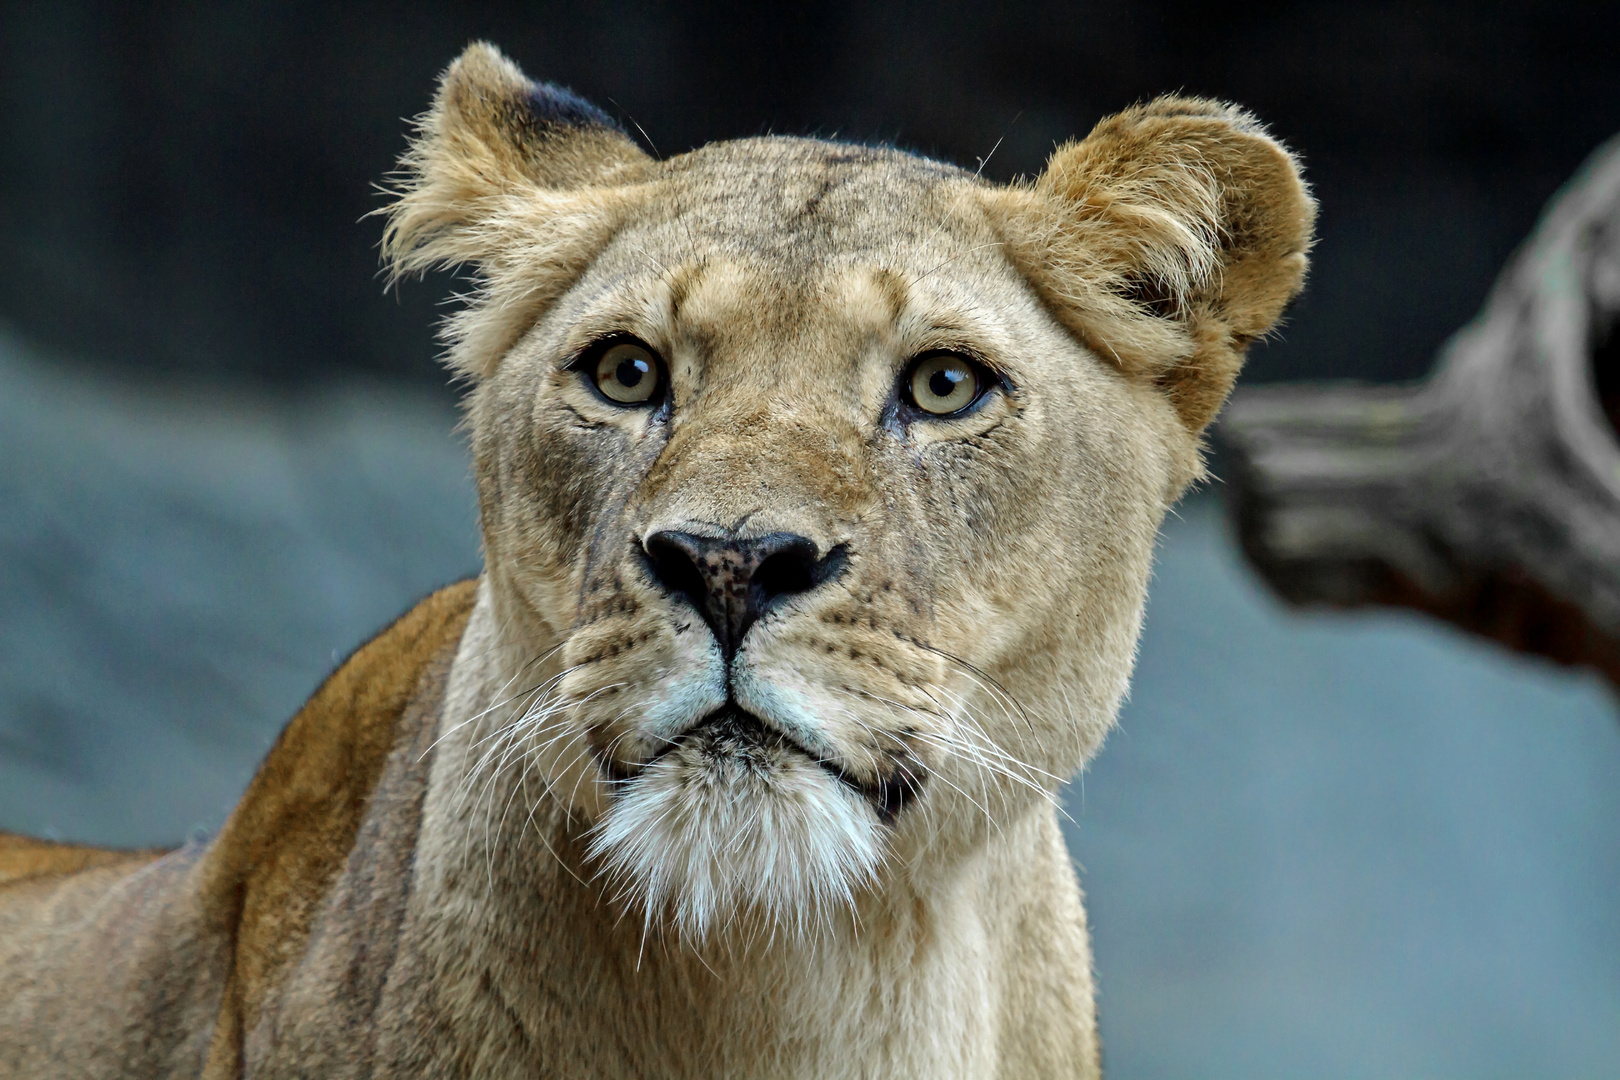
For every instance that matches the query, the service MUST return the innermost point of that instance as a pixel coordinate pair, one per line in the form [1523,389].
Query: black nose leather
[732,580]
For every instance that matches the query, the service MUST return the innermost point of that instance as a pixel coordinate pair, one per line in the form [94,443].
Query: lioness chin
[818,489]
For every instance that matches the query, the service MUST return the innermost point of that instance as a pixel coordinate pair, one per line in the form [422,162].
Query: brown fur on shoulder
[270,868]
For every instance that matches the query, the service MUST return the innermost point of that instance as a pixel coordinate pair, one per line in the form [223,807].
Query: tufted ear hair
[516,178]
[1167,240]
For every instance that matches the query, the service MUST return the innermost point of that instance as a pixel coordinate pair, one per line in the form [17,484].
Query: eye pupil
[630,371]
[942,383]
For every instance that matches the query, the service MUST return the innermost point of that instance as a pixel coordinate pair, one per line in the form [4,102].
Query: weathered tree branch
[1488,495]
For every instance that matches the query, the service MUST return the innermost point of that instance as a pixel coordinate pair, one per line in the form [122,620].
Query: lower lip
[887,800]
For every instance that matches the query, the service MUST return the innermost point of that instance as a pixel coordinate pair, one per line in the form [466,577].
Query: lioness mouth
[734,737]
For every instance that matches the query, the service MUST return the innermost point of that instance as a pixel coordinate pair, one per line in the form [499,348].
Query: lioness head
[819,482]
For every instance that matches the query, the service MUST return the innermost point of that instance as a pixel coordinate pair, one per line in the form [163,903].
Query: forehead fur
[779,236]
[794,216]
[796,201]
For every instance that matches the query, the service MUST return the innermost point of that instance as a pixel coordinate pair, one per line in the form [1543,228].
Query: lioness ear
[1168,239]
[514,177]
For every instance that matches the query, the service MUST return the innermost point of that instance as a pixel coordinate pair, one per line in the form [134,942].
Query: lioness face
[805,600]
[816,522]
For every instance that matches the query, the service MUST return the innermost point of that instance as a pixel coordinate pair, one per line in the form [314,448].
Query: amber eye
[628,373]
[944,383]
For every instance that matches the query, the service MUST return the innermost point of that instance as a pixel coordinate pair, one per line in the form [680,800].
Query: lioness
[818,489]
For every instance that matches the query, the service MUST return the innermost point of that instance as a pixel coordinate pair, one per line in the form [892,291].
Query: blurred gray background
[1318,845]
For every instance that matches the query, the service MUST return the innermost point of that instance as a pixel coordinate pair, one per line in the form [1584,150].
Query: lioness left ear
[1167,240]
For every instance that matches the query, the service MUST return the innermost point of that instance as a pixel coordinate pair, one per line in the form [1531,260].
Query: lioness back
[46,886]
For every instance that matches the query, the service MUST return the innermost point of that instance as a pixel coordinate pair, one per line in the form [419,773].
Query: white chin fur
[705,842]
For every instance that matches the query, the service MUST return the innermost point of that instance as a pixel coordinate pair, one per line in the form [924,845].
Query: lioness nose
[731,581]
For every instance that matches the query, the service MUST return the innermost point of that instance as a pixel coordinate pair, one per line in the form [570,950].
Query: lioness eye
[944,383]
[627,373]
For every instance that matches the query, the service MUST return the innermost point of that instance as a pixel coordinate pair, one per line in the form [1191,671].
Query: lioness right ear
[1168,240]
[513,177]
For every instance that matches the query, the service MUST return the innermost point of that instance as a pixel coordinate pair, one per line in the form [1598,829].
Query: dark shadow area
[1606,364]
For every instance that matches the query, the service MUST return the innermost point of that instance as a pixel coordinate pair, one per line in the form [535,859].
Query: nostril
[674,566]
[791,568]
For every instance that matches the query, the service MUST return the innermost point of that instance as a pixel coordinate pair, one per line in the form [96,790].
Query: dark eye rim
[989,379]
[586,361]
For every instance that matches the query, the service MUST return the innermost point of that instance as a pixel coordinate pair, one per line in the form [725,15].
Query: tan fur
[24,859]
[502,841]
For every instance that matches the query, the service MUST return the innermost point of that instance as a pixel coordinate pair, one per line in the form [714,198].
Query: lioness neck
[531,957]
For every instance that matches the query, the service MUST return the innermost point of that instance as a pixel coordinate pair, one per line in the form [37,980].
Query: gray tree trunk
[1488,495]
